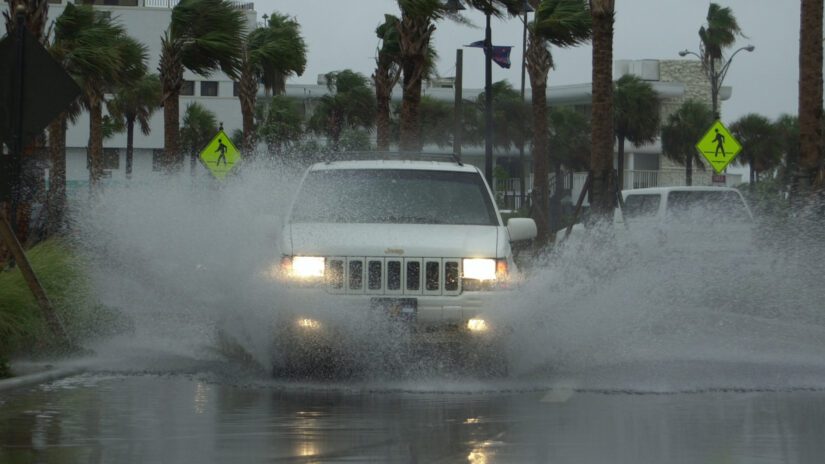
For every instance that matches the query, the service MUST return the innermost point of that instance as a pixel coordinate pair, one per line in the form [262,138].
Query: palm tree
[136,104]
[415,29]
[350,104]
[635,115]
[602,187]
[680,133]
[787,129]
[203,36]
[718,34]
[275,52]
[761,145]
[198,128]
[100,55]
[511,117]
[561,23]
[436,122]
[387,73]
[810,96]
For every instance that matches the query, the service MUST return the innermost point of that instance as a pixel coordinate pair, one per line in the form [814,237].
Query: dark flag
[501,53]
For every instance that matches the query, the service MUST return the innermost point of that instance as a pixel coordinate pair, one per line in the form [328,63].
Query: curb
[39,377]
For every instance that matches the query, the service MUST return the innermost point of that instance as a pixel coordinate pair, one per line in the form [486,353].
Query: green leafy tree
[135,104]
[281,124]
[680,133]
[203,36]
[761,145]
[562,24]
[436,122]
[349,104]
[569,135]
[270,54]
[511,117]
[787,129]
[635,115]
[198,128]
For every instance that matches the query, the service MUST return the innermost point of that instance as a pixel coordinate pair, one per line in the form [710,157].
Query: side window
[641,206]
[209,88]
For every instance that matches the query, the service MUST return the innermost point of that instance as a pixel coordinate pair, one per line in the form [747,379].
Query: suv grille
[393,276]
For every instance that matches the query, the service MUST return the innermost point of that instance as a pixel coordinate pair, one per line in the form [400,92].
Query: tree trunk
[57,175]
[689,170]
[538,66]
[383,92]
[810,95]
[555,199]
[130,145]
[247,90]
[415,33]
[171,73]
[95,143]
[603,192]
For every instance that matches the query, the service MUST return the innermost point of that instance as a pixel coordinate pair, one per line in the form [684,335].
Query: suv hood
[412,240]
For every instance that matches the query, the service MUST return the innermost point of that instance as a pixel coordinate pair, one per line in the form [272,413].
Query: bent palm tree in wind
[204,36]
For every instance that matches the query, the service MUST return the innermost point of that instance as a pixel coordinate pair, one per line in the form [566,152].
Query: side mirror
[521,229]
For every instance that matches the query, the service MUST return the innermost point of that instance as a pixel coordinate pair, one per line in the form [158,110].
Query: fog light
[309,324]
[477,325]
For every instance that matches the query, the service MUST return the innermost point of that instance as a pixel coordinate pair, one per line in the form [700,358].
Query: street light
[525,8]
[715,76]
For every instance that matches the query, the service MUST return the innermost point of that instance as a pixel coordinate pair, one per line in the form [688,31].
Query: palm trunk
[810,95]
[538,66]
[171,72]
[601,160]
[384,83]
[57,174]
[130,145]
[689,170]
[247,90]
[415,36]
[555,199]
[95,142]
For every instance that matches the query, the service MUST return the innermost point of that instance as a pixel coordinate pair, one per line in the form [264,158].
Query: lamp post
[488,101]
[525,8]
[715,76]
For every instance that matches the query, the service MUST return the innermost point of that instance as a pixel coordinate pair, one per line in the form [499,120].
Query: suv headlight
[485,274]
[304,268]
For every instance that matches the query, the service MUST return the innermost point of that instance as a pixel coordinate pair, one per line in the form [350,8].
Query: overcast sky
[341,34]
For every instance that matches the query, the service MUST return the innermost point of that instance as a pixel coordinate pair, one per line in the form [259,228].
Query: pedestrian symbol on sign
[720,142]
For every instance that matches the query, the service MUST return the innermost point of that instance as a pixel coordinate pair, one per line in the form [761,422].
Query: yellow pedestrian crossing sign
[718,147]
[220,155]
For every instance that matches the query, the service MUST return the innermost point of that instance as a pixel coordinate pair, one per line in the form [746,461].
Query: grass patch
[62,273]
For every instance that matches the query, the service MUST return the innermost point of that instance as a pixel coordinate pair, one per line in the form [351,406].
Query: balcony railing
[173,3]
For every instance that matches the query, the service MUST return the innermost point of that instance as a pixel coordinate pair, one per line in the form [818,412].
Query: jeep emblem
[393,251]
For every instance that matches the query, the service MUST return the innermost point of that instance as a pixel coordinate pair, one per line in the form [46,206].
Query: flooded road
[145,418]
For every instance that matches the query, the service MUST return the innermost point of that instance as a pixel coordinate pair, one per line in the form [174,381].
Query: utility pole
[459,103]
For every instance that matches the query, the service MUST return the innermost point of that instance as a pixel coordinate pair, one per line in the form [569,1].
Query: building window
[157,159]
[236,88]
[209,88]
[188,88]
[111,158]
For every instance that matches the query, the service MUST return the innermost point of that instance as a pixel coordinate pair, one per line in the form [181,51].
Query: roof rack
[391,155]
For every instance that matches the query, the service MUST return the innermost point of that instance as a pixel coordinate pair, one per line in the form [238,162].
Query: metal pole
[522,181]
[459,84]
[488,109]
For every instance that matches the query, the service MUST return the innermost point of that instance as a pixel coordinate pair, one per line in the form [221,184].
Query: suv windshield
[707,206]
[394,196]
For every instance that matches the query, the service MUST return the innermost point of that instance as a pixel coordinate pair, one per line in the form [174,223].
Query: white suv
[417,241]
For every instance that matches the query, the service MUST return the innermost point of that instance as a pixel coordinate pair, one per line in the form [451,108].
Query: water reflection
[151,419]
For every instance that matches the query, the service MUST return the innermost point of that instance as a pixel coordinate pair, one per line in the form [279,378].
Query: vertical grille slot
[394,275]
[432,276]
[374,275]
[356,275]
[335,273]
[414,276]
[451,276]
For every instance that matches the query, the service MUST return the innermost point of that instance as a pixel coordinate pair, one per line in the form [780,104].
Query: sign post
[719,147]
[220,156]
